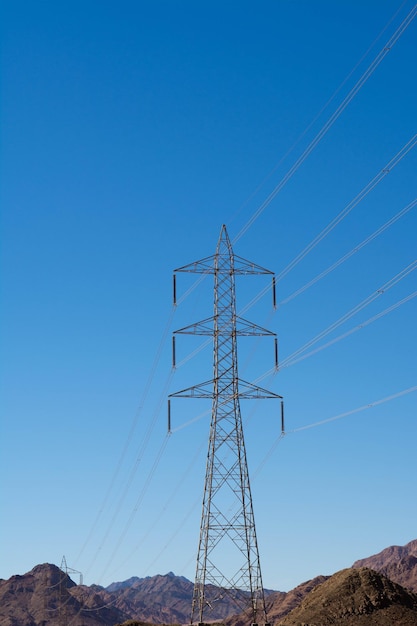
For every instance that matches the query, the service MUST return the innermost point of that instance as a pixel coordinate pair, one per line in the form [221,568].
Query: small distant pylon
[63,593]
[63,600]
[69,570]
[228,563]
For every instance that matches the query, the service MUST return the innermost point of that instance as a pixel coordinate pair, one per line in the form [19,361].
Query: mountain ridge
[355,597]
[46,595]
[399,563]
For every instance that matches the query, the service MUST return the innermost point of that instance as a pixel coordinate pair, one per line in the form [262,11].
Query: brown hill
[399,563]
[279,603]
[158,599]
[46,596]
[355,597]
[278,607]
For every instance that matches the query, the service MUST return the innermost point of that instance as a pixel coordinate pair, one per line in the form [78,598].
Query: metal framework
[228,558]
[63,593]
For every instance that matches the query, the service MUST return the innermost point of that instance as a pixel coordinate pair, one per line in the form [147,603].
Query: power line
[282,435]
[376,294]
[348,208]
[130,436]
[133,471]
[354,202]
[131,433]
[353,411]
[354,250]
[352,93]
[291,360]
[372,319]
[172,497]
[137,504]
[371,68]
[318,115]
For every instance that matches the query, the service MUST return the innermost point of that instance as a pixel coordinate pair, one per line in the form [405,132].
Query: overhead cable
[319,114]
[354,250]
[352,93]
[133,472]
[348,208]
[361,408]
[130,434]
[383,289]
[372,319]
[137,504]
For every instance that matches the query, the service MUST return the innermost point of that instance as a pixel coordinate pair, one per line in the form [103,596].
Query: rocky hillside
[355,597]
[279,603]
[46,596]
[399,563]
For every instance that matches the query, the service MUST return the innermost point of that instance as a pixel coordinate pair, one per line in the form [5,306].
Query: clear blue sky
[131,131]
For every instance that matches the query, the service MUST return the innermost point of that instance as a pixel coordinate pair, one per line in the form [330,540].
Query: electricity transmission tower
[64,597]
[228,558]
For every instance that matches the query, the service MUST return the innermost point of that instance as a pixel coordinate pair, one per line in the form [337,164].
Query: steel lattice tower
[228,557]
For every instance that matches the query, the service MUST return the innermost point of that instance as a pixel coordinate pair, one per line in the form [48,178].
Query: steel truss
[228,558]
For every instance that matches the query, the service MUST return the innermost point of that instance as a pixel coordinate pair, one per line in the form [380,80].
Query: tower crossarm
[208,266]
[220,263]
[247,391]
[203,390]
[243,328]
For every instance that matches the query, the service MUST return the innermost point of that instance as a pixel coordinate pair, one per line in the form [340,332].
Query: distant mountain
[399,563]
[134,579]
[279,603]
[46,596]
[167,599]
[355,597]
[123,584]
[158,599]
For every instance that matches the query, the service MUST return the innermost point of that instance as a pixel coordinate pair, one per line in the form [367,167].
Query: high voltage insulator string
[352,93]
